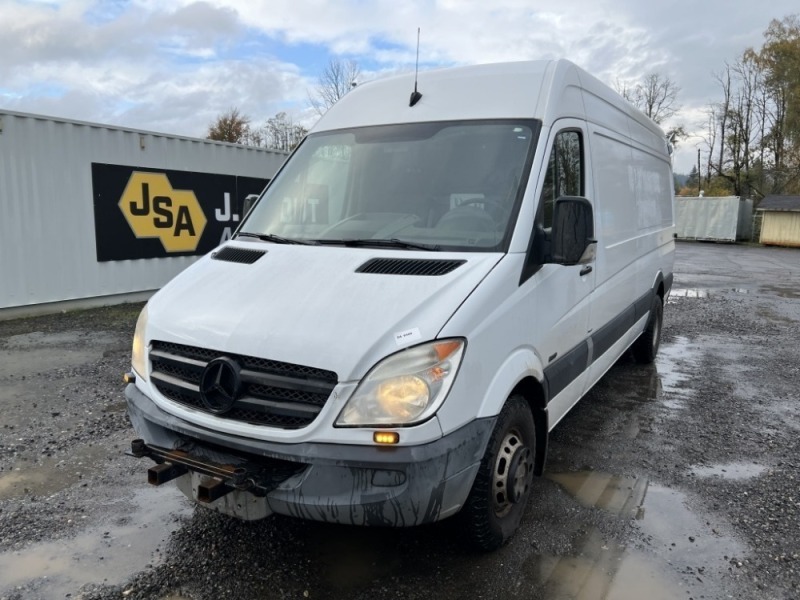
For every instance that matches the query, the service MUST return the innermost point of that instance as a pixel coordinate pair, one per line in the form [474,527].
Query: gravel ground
[674,480]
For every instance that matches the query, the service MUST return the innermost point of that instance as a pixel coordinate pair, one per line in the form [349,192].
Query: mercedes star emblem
[220,385]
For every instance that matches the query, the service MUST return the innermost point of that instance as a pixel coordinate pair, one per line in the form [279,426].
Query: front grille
[273,393]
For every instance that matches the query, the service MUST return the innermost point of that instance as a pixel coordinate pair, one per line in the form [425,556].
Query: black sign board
[154,213]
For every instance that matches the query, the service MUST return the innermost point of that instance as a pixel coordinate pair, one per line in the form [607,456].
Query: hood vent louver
[409,266]
[238,255]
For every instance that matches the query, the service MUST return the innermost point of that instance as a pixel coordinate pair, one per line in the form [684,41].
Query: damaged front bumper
[395,486]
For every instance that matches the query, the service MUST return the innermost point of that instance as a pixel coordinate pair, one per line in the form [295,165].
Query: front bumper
[394,486]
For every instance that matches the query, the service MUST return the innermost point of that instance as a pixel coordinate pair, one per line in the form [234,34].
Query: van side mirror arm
[248,203]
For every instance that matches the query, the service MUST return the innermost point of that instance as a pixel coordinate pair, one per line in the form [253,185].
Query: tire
[646,347]
[503,484]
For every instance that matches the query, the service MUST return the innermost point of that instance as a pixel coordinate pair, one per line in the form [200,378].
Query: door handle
[586,270]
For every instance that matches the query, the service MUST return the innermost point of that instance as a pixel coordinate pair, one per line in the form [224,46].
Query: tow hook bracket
[164,472]
[211,489]
[217,479]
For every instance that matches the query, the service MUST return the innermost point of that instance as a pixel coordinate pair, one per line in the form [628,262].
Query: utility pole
[698,172]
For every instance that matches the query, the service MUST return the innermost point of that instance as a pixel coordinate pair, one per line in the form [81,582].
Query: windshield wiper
[380,243]
[275,239]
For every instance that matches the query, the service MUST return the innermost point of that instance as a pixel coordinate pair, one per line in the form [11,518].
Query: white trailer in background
[67,236]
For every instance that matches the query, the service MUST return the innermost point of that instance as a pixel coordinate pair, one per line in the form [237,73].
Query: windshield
[447,185]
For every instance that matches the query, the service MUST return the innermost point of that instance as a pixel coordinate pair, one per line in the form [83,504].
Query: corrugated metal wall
[47,231]
[725,218]
[781,228]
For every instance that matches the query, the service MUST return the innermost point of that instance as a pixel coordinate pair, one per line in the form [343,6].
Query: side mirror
[248,203]
[573,229]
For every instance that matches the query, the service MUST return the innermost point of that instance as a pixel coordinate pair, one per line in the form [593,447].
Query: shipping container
[718,219]
[95,213]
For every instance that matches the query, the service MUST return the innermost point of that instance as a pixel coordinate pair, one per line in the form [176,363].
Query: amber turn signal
[129,378]
[385,437]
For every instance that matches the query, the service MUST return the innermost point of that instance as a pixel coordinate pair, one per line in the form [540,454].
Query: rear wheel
[502,487]
[646,347]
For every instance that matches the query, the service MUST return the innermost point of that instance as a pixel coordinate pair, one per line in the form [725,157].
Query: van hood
[309,306]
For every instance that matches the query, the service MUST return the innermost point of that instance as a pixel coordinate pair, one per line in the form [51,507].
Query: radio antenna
[415,95]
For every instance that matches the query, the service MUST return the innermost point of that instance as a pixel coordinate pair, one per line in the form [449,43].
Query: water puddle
[52,475]
[684,537]
[782,292]
[602,571]
[736,471]
[672,362]
[109,553]
[622,496]
[683,549]
[687,293]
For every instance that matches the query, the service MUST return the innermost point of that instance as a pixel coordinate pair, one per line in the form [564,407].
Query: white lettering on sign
[403,338]
[225,214]
[227,234]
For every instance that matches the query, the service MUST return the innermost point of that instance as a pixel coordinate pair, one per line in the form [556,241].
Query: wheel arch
[659,286]
[535,393]
[522,373]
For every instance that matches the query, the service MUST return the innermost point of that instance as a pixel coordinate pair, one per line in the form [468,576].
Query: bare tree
[338,78]
[656,96]
[755,129]
[231,126]
[724,80]
[712,127]
[280,133]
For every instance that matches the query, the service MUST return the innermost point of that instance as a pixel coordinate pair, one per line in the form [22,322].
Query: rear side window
[564,175]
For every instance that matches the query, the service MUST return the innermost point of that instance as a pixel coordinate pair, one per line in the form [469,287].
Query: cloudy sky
[174,65]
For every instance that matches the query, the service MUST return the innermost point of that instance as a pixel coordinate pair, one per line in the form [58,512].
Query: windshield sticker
[402,338]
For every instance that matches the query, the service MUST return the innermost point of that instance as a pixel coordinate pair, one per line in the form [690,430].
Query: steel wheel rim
[512,474]
[656,332]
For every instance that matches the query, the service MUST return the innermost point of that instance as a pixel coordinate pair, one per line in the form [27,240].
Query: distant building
[781,221]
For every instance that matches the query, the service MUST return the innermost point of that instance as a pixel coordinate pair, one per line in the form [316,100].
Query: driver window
[564,176]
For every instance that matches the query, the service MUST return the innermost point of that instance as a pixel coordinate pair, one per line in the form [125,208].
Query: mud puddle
[682,553]
[674,363]
[601,570]
[736,471]
[782,292]
[108,553]
[688,293]
[52,475]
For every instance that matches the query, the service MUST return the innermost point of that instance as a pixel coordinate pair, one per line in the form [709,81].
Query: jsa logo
[154,210]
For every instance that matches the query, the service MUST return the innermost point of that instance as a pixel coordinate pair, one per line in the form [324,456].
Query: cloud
[156,65]
[153,69]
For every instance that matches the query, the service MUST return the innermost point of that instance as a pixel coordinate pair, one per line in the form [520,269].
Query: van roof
[545,90]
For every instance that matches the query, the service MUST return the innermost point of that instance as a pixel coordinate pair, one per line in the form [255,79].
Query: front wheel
[503,484]
[646,347]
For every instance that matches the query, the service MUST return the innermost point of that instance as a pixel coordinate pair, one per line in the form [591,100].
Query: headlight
[406,387]
[139,353]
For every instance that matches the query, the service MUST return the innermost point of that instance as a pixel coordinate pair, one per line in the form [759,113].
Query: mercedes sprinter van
[435,276]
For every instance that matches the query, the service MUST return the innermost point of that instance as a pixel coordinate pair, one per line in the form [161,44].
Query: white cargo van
[420,295]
